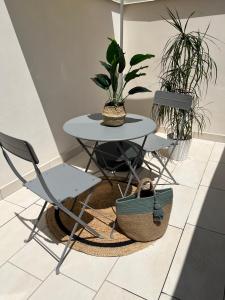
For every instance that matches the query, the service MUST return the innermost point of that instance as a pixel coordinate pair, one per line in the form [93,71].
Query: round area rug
[103,201]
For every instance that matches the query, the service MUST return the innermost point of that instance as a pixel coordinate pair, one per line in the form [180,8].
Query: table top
[89,127]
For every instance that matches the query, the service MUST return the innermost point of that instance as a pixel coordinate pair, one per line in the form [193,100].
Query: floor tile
[38,256]
[208,209]
[144,272]
[59,287]
[153,174]
[87,269]
[8,211]
[15,283]
[23,197]
[200,150]
[198,272]
[183,198]
[40,202]
[111,292]
[80,161]
[171,164]
[166,297]
[13,234]
[214,175]
[218,153]
[189,172]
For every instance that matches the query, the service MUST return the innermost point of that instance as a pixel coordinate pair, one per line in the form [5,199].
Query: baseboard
[71,153]
[16,184]
[210,137]
[204,136]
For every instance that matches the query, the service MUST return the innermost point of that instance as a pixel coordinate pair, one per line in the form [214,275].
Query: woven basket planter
[113,115]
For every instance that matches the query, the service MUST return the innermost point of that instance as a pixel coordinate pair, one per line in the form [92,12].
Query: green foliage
[138,89]
[187,67]
[138,58]
[115,65]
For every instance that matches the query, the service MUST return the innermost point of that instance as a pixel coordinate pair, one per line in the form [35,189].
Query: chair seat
[154,143]
[63,181]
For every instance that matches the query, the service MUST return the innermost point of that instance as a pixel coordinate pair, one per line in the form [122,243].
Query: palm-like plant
[115,66]
[187,67]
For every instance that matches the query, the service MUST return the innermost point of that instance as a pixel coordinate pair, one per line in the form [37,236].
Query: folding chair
[54,185]
[155,143]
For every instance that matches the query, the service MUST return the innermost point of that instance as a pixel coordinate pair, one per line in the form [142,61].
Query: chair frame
[170,99]
[178,101]
[24,150]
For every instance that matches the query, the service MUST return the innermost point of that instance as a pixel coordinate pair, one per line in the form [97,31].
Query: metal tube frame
[91,155]
[65,252]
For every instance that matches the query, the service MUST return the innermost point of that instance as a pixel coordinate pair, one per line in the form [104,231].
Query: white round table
[91,128]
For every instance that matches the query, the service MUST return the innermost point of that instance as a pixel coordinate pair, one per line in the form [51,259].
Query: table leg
[90,154]
[132,167]
[90,159]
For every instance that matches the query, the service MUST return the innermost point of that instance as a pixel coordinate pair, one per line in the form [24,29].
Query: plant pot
[113,115]
[181,149]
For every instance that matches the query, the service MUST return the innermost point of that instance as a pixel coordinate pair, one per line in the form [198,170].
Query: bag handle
[157,211]
[142,183]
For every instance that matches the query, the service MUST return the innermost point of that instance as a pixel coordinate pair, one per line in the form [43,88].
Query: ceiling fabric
[132,1]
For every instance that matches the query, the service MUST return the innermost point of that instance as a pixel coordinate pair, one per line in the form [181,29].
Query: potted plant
[187,67]
[114,83]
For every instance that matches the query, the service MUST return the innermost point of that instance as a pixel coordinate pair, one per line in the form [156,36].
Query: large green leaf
[130,76]
[112,53]
[106,66]
[134,74]
[102,81]
[98,83]
[122,62]
[138,89]
[115,55]
[136,59]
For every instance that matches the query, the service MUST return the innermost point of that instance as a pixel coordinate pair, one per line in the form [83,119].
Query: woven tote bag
[144,216]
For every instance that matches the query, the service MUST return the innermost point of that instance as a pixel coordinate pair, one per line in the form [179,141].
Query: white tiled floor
[61,287]
[23,198]
[15,283]
[8,211]
[186,264]
[112,292]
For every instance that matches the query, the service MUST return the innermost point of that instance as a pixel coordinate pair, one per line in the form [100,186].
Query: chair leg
[36,223]
[64,253]
[164,167]
[149,163]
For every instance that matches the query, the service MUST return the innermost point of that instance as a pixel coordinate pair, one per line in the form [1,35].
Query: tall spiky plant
[187,67]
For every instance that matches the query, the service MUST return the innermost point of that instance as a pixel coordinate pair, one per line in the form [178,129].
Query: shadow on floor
[198,270]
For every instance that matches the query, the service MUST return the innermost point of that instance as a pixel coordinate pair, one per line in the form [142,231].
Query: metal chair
[54,185]
[154,143]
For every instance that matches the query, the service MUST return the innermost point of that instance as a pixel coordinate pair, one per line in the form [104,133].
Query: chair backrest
[18,147]
[24,150]
[176,100]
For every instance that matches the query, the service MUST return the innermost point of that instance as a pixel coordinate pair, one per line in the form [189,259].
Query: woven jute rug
[103,201]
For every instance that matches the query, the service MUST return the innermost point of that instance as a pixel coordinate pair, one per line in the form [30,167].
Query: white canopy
[122,3]
[132,1]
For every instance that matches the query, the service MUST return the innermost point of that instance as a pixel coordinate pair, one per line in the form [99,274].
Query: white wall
[146,32]
[63,42]
[21,113]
